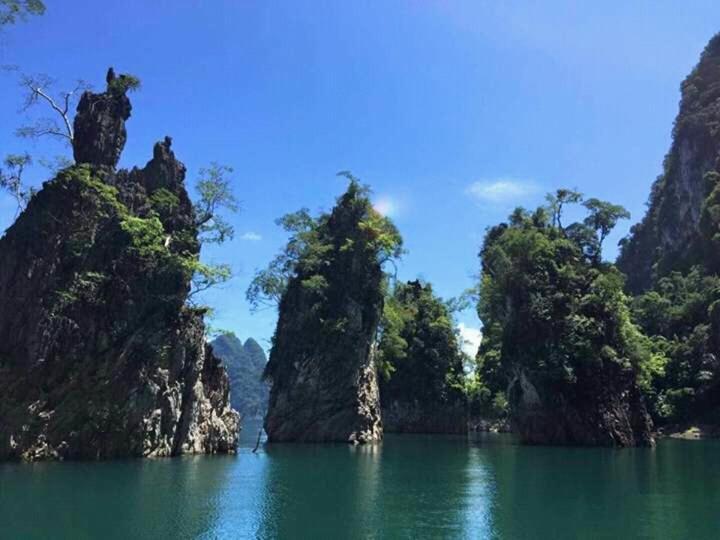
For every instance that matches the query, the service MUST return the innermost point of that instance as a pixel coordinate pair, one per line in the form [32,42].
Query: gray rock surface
[322,368]
[99,355]
[605,409]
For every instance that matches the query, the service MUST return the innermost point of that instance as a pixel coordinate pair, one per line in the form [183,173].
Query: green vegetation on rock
[557,329]
[672,258]
[329,280]
[421,364]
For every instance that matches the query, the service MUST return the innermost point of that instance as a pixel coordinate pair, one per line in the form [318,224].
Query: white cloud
[386,206]
[251,237]
[501,190]
[471,338]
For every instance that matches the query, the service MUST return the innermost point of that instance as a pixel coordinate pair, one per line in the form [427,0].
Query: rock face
[667,238]
[603,409]
[245,364]
[99,355]
[324,382]
[99,127]
[418,416]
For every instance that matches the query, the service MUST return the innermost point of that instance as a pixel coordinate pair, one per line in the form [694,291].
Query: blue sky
[454,112]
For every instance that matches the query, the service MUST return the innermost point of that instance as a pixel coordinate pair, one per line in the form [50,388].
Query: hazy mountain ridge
[245,364]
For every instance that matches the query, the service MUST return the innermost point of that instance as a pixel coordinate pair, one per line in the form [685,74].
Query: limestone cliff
[99,355]
[602,408]
[322,369]
[668,237]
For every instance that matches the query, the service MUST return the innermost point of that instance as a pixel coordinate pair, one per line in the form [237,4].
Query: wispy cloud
[502,190]
[386,206]
[471,338]
[251,237]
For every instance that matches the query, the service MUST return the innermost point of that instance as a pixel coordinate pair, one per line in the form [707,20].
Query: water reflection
[406,487]
[604,493]
[318,490]
[479,504]
[168,498]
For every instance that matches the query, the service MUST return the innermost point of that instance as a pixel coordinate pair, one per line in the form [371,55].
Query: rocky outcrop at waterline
[600,409]
[417,416]
[100,356]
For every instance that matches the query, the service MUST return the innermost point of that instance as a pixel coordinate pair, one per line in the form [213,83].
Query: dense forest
[104,349]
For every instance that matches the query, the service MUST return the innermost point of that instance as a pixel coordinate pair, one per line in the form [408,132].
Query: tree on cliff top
[327,260]
[213,187]
[311,243]
[11,179]
[12,11]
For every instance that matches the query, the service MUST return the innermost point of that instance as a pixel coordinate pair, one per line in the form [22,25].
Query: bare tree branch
[38,91]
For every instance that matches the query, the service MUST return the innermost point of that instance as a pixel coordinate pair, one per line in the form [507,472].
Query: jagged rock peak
[322,366]
[100,355]
[99,126]
[163,170]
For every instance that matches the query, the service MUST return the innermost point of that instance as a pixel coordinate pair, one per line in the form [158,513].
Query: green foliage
[378,235]
[315,242]
[603,217]
[556,201]
[681,315]
[206,276]
[11,179]
[124,83]
[392,347]
[215,195]
[316,284]
[419,354]
[147,235]
[268,285]
[164,201]
[106,194]
[547,303]
[12,11]
[85,287]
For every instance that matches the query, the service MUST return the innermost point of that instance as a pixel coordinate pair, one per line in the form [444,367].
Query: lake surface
[407,487]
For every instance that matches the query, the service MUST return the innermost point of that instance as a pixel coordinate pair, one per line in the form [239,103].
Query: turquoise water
[408,487]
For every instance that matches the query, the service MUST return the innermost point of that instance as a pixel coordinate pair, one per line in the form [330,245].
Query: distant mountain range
[245,364]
